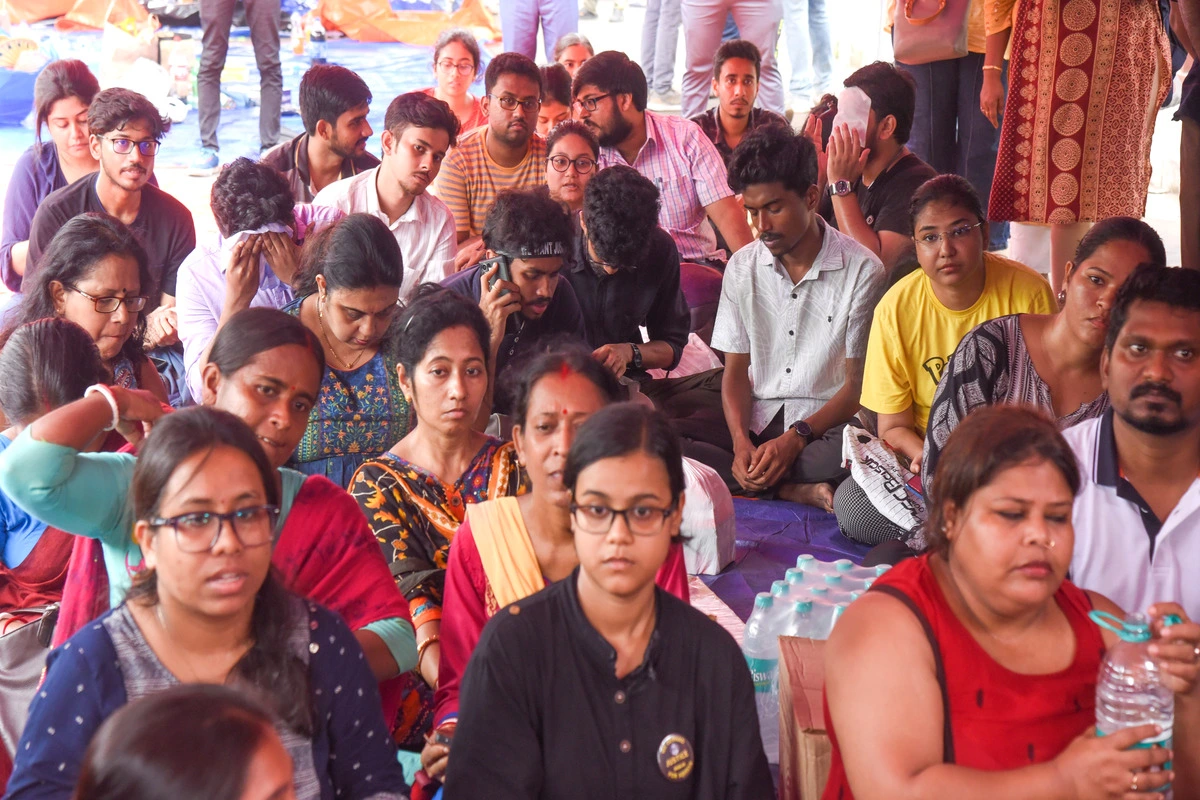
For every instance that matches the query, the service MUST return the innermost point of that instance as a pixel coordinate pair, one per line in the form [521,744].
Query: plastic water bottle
[780,595]
[795,578]
[316,40]
[760,646]
[802,621]
[1129,690]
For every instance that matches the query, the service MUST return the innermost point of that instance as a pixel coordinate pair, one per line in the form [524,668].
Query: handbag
[921,37]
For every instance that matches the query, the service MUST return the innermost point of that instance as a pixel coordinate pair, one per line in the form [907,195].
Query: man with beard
[1137,515]
[868,176]
[334,103]
[610,97]
[793,322]
[126,130]
[504,155]
[418,131]
[531,234]
[735,81]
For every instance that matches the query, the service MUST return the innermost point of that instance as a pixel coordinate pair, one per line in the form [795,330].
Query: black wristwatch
[803,430]
[637,356]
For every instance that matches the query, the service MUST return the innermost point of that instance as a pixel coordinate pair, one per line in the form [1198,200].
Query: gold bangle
[423,646]
[992,66]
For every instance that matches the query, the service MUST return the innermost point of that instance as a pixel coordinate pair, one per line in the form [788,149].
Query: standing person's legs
[263,18]
[934,136]
[665,46]
[559,17]
[649,40]
[518,27]
[758,20]
[822,47]
[216,18]
[796,30]
[703,21]
[1189,193]
[978,140]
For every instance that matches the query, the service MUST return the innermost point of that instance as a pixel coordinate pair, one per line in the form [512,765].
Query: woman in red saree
[512,547]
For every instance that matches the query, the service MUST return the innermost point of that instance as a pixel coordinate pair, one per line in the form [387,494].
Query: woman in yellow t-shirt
[919,322]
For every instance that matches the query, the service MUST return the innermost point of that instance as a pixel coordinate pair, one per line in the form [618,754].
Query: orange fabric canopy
[375,21]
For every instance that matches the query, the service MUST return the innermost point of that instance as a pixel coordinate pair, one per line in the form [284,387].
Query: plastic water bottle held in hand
[1129,690]
[760,645]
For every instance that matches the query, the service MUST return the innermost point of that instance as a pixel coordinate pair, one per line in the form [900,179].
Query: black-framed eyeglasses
[589,103]
[462,67]
[935,239]
[110,304]
[508,102]
[123,147]
[198,531]
[640,520]
[583,164]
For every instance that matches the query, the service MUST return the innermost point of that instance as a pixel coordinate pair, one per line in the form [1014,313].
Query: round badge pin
[676,759]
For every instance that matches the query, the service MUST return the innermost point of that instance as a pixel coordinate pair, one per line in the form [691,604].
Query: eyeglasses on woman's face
[462,67]
[198,531]
[932,240]
[641,520]
[110,304]
[583,164]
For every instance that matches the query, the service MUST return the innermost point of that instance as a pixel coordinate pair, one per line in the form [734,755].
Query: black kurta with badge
[543,715]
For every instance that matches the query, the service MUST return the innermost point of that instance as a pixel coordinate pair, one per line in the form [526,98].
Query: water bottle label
[762,670]
[1164,740]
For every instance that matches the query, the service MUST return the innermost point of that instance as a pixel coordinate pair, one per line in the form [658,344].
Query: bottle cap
[843,565]
[833,580]
[763,600]
[794,575]
[779,588]
[820,591]
[805,561]
[881,568]
[803,606]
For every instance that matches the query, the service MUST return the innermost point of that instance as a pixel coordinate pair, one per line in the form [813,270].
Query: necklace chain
[325,337]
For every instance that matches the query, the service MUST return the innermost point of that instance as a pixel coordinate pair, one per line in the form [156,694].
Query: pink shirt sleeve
[464,613]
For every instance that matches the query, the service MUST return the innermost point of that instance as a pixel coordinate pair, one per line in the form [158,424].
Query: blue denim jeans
[949,130]
[660,39]
[806,27]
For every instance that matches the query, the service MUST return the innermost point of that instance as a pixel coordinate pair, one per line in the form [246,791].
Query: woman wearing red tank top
[970,671]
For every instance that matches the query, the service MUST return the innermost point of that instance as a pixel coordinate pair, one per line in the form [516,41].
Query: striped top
[470,180]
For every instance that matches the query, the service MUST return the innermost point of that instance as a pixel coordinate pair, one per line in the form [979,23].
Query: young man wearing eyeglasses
[126,130]
[418,131]
[504,155]
[610,98]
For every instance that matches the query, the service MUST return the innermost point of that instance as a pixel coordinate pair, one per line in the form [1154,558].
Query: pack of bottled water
[806,603]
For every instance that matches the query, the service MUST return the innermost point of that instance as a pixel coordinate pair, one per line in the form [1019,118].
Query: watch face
[842,188]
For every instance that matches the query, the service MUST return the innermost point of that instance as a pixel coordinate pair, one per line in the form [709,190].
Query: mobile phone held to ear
[503,274]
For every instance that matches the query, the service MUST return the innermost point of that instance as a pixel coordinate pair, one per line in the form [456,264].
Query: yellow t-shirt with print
[913,334]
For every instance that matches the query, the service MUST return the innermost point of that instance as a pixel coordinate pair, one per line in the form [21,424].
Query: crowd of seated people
[380,490]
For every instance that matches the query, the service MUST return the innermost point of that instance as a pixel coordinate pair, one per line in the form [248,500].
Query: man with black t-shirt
[868,182]
[126,130]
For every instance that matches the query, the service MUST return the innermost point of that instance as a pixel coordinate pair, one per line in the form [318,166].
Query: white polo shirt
[1121,549]
[425,232]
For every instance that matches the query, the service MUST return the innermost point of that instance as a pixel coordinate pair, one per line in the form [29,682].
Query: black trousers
[216,18]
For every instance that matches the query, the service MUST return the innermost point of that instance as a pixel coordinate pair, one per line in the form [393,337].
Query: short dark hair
[248,195]
[952,189]
[463,37]
[773,153]
[989,441]
[356,252]
[59,80]
[433,310]
[570,40]
[1176,287]
[737,48]
[613,72]
[142,751]
[621,429]
[556,84]
[46,364]
[419,110]
[113,109]
[563,357]
[1121,229]
[892,91]
[252,331]
[573,126]
[511,64]
[71,256]
[524,222]
[620,209]
[327,91]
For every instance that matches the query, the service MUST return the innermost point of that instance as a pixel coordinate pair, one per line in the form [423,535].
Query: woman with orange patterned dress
[1086,80]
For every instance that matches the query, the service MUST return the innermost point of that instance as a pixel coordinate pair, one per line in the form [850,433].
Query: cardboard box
[804,748]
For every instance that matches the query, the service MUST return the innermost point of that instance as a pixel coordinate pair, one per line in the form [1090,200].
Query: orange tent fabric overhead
[35,10]
[375,21]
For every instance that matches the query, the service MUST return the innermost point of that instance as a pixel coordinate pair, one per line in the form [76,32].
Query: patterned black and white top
[991,366]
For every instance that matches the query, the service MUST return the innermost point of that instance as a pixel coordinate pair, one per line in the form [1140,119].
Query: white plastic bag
[708,520]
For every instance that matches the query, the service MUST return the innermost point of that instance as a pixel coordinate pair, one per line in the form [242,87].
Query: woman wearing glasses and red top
[456,66]
[93,273]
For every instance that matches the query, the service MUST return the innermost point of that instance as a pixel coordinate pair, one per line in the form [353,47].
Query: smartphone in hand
[503,274]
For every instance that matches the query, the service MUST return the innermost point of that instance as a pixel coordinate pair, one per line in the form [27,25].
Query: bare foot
[819,495]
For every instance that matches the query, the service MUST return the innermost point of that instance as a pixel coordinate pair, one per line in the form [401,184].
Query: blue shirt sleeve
[83,687]
[27,188]
[361,758]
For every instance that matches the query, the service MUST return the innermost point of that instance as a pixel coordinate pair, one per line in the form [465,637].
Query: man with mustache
[504,155]
[126,130]
[532,234]
[418,131]
[1137,515]
[793,322]
[610,98]
[736,68]
[334,103]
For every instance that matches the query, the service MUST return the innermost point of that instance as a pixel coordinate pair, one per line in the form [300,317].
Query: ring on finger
[1196,652]
[1133,784]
